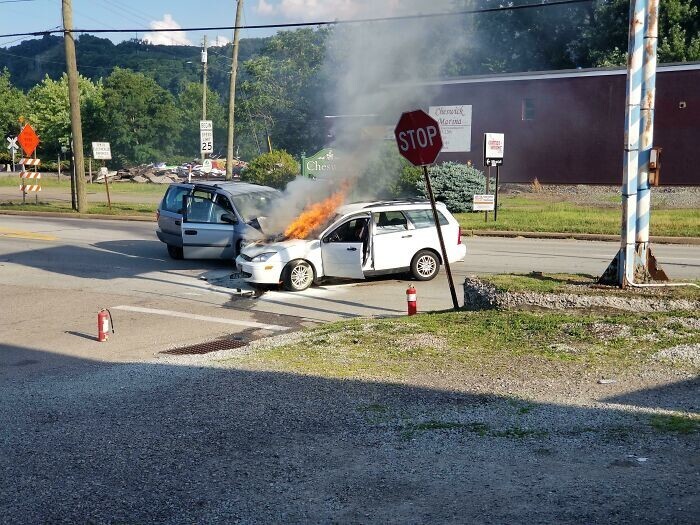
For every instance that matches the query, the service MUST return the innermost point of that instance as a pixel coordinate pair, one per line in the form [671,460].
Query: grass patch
[400,348]
[115,188]
[118,208]
[528,214]
[675,424]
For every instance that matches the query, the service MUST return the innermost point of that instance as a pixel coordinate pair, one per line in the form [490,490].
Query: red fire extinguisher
[104,320]
[411,300]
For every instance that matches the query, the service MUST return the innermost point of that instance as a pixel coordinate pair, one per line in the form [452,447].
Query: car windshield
[253,205]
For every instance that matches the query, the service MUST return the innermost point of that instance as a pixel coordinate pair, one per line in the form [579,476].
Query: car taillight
[459,235]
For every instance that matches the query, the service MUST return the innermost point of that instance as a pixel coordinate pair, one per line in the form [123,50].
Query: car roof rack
[411,200]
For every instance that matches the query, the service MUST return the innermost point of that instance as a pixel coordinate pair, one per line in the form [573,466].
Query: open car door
[207,227]
[344,248]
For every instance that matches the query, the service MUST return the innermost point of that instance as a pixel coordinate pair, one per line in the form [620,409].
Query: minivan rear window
[424,218]
[173,198]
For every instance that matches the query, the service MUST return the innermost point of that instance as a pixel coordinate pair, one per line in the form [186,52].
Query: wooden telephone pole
[74,98]
[232,94]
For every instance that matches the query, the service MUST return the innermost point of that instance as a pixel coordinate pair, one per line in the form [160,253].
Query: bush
[274,169]
[455,185]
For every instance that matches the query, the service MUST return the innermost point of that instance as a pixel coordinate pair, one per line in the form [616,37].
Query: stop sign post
[419,141]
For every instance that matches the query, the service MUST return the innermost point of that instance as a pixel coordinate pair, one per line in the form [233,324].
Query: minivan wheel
[298,276]
[425,265]
[175,251]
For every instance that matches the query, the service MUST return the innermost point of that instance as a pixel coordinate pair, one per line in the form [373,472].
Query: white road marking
[206,318]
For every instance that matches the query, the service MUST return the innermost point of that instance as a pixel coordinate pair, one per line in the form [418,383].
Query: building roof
[540,75]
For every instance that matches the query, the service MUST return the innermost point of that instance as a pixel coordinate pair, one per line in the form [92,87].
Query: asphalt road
[56,273]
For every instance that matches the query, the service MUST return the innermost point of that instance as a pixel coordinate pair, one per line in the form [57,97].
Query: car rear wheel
[298,276]
[425,265]
[175,251]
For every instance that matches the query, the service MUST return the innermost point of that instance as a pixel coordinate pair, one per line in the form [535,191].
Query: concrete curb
[466,233]
[577,236]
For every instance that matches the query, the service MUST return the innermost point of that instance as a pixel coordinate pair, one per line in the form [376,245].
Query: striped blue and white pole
[631,158]
[651,33]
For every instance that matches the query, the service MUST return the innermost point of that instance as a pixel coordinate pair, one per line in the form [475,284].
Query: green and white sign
[320,165]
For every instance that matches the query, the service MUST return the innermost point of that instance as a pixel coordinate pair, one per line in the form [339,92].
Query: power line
[313,24]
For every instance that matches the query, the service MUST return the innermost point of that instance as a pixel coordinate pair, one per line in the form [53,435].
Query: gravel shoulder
[235,437]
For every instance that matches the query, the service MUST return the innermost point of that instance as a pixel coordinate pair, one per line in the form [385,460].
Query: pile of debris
[142,174]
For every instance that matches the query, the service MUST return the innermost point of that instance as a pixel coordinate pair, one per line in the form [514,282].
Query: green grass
[115,188]
[675,424]
[529,214]
[449,342]
[118,208]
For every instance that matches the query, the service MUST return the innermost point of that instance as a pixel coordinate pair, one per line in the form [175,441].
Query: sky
[36,15]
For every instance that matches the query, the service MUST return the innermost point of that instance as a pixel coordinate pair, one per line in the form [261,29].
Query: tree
[144,123]
[282,92]
[13,105]
[189,103]
[388,176]
[49,112]
[605,40]
[274,169]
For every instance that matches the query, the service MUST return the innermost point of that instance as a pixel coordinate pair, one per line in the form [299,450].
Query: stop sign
[418,137]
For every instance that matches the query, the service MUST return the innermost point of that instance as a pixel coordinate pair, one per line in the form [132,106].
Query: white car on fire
[362,240]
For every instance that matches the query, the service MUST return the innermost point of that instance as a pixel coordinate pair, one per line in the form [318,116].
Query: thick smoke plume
[375,70]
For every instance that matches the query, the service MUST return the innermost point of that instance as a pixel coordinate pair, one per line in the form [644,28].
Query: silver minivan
[210,220]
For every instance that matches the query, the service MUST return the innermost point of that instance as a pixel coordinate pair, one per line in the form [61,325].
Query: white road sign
[483,203]
[493,149]
[101,151]
[12,146]
[206,136]
[206,166]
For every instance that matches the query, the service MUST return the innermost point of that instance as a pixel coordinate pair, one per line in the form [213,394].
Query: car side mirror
[229,218]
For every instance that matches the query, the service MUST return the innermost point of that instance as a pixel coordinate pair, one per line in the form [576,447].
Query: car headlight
[262,257]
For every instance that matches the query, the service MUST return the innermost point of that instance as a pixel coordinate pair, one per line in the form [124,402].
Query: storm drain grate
[205,348]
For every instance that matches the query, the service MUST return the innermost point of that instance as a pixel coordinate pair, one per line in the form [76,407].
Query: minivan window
[256,204]
[173,198]
[389,221]
[424,218]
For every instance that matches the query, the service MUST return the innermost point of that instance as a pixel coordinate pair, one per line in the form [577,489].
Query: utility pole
[74,97]
[204,85]
[232,93]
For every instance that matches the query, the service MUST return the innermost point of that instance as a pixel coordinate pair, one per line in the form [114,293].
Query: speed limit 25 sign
[206,136]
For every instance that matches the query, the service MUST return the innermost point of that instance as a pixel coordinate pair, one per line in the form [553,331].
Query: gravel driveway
[198,441]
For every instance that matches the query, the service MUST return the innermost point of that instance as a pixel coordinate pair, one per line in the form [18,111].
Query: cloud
[170,38]
[312,10]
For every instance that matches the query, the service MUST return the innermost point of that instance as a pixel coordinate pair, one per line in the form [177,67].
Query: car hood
[287,250]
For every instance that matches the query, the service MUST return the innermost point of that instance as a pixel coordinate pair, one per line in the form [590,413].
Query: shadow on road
[176,443]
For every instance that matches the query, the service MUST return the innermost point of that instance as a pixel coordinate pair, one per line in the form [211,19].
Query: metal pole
[232,94]
[59,167]
[495,204]
[651,34]
[436,218]
[109,201]
[621,269]
[72,177]
[74,96]
[204,86]
[90,168]
[488,179]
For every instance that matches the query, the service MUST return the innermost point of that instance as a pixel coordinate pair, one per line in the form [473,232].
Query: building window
[528,112]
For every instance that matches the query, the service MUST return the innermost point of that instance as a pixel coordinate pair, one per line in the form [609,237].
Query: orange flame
[313,216]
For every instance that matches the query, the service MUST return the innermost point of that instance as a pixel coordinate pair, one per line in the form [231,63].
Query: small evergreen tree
[455,185]
[274,169]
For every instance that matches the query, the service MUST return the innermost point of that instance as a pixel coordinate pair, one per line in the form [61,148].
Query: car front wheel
[425,265]
[298,276]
